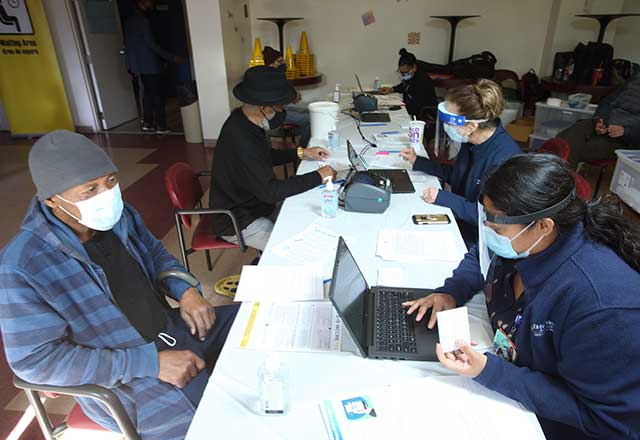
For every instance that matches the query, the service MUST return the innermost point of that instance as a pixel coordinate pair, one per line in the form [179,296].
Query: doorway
[117,84]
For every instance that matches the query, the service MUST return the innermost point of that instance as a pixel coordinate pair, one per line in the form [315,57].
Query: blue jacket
[487,156]
[60,325]
[579,340]
[142,53]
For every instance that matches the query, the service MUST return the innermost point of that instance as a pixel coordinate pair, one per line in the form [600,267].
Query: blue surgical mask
[502,246]
[406,76]
[455,136]
[101,212]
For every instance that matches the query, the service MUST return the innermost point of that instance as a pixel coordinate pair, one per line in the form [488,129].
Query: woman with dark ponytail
[416,86]
[562,285]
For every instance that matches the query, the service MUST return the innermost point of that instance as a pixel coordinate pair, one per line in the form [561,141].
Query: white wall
[627,39]
[514,30]
[236,34]
[207,49]
[73,70]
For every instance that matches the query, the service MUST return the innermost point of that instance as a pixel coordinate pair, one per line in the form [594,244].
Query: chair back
[557,147]
[583,188]
[184,189]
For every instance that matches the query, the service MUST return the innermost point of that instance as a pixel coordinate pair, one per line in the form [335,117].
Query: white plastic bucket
[191,123]
[324,116]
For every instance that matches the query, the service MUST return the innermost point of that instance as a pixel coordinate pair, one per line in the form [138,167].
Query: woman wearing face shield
[470,115]
[562,286]
[416,87]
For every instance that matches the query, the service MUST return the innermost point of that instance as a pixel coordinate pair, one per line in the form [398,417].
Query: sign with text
[14,18]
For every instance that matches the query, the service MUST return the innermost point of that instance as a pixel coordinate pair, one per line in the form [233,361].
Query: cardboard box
[520,129]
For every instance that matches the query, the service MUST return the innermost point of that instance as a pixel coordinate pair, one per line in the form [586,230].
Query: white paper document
[313,246]
[280,284]
[412,245]
[392,277]
[451,407]
[297,326]
[398,139]
[453,325]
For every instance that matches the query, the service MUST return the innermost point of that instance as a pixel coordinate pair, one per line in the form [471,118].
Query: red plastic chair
[603,164]
[185,192]
[556,146]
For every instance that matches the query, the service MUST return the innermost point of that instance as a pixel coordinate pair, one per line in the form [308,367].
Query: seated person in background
[485,145]
[416,88]
[242,178]
[562,296]
[292,114]
[79,302]
[615,126]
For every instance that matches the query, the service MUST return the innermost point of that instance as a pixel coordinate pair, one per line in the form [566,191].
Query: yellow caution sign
[31,86]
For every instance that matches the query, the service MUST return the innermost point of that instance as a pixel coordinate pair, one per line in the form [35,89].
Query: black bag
[531,90]
[476,66]
[590,57]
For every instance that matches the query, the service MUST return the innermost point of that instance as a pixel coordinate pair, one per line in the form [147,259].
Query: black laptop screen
[348,290]
[354,157]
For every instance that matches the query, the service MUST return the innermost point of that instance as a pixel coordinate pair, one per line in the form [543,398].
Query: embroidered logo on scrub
[542,329]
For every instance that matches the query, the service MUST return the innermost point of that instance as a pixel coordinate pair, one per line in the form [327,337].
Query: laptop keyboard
[395,330]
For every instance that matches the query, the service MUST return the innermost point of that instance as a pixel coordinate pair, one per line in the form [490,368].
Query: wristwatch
[300,150]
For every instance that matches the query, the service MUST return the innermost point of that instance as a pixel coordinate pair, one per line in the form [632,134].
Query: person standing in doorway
[146,58]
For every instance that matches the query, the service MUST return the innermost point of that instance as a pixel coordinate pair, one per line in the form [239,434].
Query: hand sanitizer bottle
[376,83]
[329,203]
[273,380]
[336,93]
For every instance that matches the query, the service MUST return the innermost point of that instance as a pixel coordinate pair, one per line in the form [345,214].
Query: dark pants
[586,145]
[153,101]
[208,350]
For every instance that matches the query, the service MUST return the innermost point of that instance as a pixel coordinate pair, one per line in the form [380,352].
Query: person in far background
[145,58]
[615,125]
[417,89]
[293,114]
[471,116]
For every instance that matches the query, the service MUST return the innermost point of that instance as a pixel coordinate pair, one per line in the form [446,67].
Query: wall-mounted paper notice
[368,18]
[413,38]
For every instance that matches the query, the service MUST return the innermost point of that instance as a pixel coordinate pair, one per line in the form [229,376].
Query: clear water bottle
[273,381]
[329,202]
[376,84]
[336,93]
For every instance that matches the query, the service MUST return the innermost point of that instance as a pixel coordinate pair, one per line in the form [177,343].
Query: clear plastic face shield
[448,136]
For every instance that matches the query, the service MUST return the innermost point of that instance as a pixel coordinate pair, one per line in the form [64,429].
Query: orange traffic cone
[304,44]
[292,70]
[257,59]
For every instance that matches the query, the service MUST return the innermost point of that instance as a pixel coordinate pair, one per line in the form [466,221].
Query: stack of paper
[280,284]
[393,139]
[411,245]
[302,326]
[313,246]
[434,407]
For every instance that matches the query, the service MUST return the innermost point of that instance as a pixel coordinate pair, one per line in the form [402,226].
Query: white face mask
[101,212]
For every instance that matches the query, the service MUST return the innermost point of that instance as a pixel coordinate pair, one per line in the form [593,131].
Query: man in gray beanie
[78,298]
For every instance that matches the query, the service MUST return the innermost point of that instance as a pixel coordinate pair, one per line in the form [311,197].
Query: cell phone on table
[431,219]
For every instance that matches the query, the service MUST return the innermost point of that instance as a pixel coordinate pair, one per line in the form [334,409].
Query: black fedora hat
[263,85]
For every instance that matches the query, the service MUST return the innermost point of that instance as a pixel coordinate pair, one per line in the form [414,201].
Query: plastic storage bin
[626,178]
[551,120]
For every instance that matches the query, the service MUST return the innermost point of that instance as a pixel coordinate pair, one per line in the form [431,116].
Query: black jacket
[622,107]
[242,174]
[418,92]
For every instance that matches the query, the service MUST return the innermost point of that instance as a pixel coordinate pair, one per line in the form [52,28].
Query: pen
[389,132]
[385,152]
[373,125]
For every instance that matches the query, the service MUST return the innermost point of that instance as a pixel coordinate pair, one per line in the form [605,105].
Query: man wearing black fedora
[242,178]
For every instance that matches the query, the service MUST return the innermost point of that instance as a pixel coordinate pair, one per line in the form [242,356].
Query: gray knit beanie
[62,159]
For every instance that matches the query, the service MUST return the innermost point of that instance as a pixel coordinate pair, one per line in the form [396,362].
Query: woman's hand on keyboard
[435,301]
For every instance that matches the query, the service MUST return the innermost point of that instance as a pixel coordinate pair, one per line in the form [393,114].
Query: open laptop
[372,116]
[374,316]
[399,177]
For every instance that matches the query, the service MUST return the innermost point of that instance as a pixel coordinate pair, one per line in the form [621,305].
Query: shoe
[148,127]
[163,131]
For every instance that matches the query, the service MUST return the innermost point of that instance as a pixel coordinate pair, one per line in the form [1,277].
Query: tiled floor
[142,161]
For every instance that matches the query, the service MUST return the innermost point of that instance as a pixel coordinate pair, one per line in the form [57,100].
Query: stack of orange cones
[305,60]
[292,71]
[257,59]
